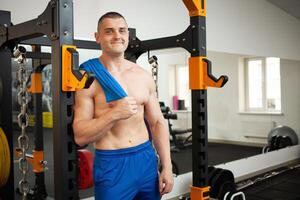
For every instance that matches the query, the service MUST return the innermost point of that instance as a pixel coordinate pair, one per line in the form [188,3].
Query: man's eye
[123,30]
[108,31]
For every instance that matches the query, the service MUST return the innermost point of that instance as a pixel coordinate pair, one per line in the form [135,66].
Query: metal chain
[23,119]
[154,69]
[155,73]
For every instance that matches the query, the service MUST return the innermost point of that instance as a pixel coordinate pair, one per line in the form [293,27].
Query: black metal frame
[56,22]
[39,190]
[6,107]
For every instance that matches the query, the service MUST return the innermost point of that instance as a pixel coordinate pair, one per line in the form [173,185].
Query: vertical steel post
[40,187]
[199,109]
[7,191]
[65,154]
[200,78]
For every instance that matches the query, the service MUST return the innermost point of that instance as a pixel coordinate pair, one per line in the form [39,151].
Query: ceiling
[290,6]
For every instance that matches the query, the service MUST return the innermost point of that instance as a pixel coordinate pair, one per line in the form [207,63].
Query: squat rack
[56,23]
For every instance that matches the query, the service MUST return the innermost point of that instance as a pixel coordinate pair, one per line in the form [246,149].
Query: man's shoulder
[138,69]
[142,74]
[88,63]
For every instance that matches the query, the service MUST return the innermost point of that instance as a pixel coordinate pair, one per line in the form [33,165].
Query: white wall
[253,27]
[151,18]
[290,74]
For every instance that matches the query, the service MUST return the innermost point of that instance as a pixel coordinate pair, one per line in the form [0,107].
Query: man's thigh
[149,191]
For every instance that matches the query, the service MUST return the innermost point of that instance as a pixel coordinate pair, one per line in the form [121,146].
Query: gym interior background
[239,33]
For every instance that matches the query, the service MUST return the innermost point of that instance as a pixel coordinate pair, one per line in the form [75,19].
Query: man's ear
[97,37]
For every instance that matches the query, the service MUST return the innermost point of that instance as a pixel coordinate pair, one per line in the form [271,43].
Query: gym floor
[283,188]
[217,153]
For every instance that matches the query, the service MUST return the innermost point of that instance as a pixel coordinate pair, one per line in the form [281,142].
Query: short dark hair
[112,15]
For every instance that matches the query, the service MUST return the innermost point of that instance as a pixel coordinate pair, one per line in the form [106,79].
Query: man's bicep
[84,105]
[152,110]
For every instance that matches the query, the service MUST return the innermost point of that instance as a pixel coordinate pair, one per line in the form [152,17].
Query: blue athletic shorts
[126,174]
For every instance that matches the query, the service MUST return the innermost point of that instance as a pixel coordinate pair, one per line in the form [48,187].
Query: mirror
[237,128]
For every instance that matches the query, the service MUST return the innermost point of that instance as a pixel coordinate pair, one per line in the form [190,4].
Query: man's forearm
[88,131]
[162,144]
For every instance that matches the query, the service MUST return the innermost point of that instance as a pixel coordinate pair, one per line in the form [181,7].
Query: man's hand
[166,181]
[124,108]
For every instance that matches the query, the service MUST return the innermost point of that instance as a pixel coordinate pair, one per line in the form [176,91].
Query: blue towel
[112,89]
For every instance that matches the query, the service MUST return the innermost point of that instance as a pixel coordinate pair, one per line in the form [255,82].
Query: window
[182,84]
[262,81]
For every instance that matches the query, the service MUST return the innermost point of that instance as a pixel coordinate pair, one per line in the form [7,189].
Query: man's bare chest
[133,87]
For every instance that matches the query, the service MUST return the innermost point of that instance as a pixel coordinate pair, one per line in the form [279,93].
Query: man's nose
[117,34]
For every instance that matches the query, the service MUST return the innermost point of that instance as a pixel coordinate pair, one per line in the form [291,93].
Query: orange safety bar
[36,160]
[200,74]
[200,193]
[196,7]
[36,83]
[69,80]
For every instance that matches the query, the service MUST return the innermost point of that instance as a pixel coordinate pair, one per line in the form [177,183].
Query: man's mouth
[117,42]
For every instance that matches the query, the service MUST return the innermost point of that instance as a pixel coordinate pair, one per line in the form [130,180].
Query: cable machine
[54,27]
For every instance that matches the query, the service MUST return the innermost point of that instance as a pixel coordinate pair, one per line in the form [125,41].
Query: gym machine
[54,27]
[176,145]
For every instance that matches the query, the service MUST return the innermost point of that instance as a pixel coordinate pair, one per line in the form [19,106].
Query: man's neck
[112,63]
